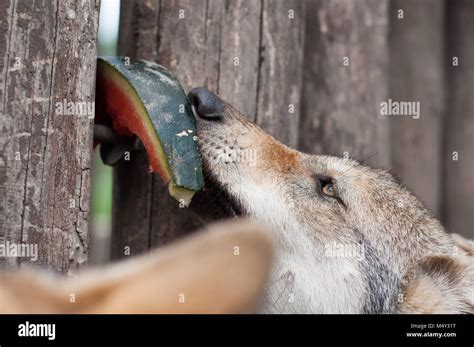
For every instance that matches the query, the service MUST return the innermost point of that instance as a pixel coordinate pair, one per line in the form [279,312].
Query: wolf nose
[206,104]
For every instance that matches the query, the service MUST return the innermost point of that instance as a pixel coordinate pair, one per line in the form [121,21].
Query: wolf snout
[206,104]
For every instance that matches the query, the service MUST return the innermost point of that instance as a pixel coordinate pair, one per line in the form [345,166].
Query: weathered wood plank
[239,54]
[417,74]
[280,70]
[458,179]
[49,58]
[132,189]
[340,112]
[131,206]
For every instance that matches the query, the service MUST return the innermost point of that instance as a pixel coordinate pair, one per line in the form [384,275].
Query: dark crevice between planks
[260,60]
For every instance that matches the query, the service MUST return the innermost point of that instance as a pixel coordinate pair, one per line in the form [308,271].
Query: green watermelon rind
[156,91]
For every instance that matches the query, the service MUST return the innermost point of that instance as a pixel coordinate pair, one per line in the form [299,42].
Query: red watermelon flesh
[144,100]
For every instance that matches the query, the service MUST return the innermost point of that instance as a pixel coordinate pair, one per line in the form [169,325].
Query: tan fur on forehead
[333,164]
[279,157]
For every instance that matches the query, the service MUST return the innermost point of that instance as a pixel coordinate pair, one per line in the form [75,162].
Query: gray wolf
[351,239]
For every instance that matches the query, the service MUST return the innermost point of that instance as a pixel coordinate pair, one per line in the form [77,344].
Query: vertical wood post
[250,52]
[345,80]
[48,58]
[417,64]
[458,158]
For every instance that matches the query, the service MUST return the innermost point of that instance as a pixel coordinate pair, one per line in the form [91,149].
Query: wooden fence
[48,56]
[312,73]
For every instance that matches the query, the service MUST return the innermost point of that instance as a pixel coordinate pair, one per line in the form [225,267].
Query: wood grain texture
[417,74]
[340,109]
[132,187]
[240,57]
[281,68]
[458,179]
[48,54]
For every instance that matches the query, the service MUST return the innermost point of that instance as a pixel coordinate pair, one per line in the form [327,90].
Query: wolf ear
[439,284]
[220,270]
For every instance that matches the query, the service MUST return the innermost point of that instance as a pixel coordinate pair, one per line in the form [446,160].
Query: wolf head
[352,239]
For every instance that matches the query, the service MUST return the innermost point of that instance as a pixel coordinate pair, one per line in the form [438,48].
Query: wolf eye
[328,189]
[326,185]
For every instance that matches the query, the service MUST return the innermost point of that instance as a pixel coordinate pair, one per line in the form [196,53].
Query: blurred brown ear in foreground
[222,269]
